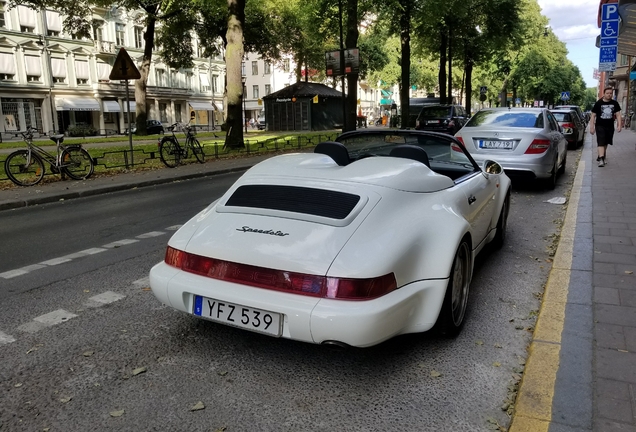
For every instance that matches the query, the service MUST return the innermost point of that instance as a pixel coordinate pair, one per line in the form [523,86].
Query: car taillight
[455,147]
[567,127]
[538,146]
[280,280]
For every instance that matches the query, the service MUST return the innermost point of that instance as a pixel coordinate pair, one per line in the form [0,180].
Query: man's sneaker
[598,158]
[601,163]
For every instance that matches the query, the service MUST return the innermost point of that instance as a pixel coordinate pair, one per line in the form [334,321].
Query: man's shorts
[604,136]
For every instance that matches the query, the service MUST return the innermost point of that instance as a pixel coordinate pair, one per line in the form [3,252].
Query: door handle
[471,199]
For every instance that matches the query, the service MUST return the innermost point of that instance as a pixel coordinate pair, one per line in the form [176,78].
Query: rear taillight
[455,147]
[538,146]
[280,280]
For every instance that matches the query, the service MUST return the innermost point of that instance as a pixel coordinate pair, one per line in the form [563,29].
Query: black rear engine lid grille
[318,202]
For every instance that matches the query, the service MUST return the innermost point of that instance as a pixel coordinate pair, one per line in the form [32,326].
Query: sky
[574,22]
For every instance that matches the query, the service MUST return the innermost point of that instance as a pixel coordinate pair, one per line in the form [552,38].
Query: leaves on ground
[222,373]
[629,272]
[435,374]
[479,342]
[117,413]
[198,407]
[498,345]
[139,370]
[496,364]
[66,399]
[88,353]
[18,385]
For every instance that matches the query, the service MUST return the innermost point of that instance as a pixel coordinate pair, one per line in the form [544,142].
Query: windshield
[562,117]
[445,156]
[436,112]
[506,118]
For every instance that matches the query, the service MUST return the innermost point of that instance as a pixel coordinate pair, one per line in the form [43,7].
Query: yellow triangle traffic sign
[124,68]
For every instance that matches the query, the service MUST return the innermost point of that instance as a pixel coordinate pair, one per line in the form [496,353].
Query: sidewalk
[581,371]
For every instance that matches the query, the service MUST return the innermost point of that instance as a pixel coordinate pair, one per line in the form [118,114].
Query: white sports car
[366,238]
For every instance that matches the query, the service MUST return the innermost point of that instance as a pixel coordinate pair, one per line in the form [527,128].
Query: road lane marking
[56,261]
[47,320]
[119,243]
[143,282]
[533,407]
[150,234]
[6,339]
[104,299]
[174,227]
[21,271]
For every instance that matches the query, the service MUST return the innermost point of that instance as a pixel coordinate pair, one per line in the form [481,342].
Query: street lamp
[243,79]
[42,42]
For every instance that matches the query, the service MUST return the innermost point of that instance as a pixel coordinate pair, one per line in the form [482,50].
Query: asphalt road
[84,345]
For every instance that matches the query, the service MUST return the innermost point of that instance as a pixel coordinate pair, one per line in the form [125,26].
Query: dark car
[579,111]
[573,128]
[152,127]
[441,118]
[260,123]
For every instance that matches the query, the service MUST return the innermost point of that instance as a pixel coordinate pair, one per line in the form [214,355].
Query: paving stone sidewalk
[613,190]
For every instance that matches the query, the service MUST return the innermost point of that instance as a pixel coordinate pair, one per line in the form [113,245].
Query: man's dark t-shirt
[605,113]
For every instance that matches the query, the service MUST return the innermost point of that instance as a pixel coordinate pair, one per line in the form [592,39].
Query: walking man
[604,112]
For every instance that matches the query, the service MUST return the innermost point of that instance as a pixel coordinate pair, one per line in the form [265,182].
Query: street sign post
[124,69]
[483,90]
[609,37]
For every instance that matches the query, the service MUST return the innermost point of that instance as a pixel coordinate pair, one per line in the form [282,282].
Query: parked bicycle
[172,152]
[26,167]
[627,120]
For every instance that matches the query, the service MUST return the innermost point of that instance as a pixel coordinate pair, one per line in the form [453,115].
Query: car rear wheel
[550,182]
[451,318]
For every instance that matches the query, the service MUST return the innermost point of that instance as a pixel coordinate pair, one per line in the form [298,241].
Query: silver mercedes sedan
[527,142]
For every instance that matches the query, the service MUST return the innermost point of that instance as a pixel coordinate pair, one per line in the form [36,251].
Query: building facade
[55,82]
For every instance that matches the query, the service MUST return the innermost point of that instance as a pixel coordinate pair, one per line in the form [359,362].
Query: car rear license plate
[495,144]
[237,315]
[432,122]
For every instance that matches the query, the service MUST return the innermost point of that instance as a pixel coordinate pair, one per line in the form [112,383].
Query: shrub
[81,131]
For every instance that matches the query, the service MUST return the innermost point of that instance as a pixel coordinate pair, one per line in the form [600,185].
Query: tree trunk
[233,61]
[351,41]
[142,83]
[450,64]
[469,84]
[405,40]
[442,64]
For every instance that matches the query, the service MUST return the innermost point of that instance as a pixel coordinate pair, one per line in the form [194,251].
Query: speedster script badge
[260,231]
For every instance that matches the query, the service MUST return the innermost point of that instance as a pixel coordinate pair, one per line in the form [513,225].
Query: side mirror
[492,167]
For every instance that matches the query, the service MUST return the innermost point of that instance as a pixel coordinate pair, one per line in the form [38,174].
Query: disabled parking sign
[609,37]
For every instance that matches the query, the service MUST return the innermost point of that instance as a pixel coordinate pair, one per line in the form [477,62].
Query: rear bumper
[410,309]
[528,168]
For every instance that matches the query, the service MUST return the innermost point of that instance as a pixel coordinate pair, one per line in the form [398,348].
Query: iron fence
[120,159]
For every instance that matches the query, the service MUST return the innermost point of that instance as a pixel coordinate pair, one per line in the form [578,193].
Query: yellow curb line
[533,407]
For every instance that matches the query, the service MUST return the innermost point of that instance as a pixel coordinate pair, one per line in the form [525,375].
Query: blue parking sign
[607,54]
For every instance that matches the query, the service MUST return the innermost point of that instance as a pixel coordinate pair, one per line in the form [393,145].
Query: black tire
[451,317]
[169,152]
[21,173]
[197,149]
[565,160]
[502,224]
[77,163]
[550,182]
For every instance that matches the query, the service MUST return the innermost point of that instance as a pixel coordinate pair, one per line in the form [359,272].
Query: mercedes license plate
[432,122]
[239,316]
[495,144]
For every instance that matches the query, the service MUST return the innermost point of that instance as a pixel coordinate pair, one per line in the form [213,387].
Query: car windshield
[507,118]
[435,112]
[445,156]
[561,116]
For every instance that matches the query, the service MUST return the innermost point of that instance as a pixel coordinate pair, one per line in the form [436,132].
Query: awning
[627,32]
[201,106]
[386,92]
[76,104]
[133,106]
[111,106]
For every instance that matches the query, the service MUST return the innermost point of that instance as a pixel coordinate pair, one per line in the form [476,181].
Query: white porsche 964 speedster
[368,237]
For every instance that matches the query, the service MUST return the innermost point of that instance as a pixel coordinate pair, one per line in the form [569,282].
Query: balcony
[105,47]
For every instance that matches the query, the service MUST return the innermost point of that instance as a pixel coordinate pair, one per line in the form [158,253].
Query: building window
[3,23]
[98,30]
[267,68]
[139,37]
[82,81]
[119,34]
[27,18]
[25,29]
[215,85]
[33,68]
[53,33]
[255,92]
[189,80]
[59,80]
[53,23]
[243,69]
[286,65]
[109,117]
[177,112]
[6,77]
[58,70]
[624,61]
[161,77]
[33,78]
[268,89]
[254,68]
[163,114]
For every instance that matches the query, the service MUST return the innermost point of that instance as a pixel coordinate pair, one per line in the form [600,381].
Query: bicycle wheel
[77,163]
[169,152]
[197,149]
[22,173]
